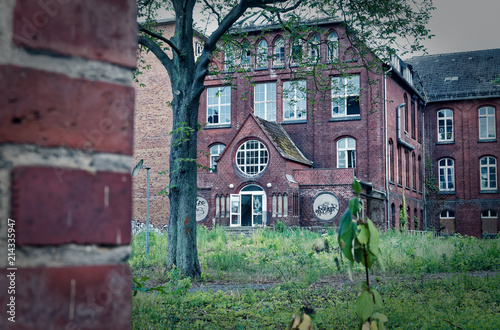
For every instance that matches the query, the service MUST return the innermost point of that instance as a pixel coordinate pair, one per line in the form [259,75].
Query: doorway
[248,208]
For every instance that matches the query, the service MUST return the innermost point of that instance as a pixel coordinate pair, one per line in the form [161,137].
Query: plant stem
[365,256]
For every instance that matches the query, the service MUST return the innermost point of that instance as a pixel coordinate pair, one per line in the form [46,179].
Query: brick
[81,297]
[52,110]
[72,206]
[92,29]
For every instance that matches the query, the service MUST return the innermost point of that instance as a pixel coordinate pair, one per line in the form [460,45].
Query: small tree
[403,217]
[359,242]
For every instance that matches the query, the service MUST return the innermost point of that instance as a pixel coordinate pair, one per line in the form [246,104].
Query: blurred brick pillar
[66,121]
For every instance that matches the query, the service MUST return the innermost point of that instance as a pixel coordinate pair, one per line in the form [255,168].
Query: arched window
[252,157]
[393,215]
[407,169]
[445,125]
[447,222]
[488,173]
[489,222]
[400,165]
[446,174]
[296,51]
[262,55]
[279,53]
[414,171]
[415,219]
[346,153]
[487,128]
[313,48]
[412,114]
[405,100]
[333,47]
[215,152]
[420,174]
[391,160]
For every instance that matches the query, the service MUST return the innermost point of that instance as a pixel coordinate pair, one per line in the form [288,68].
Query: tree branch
[158,52]
[160,37]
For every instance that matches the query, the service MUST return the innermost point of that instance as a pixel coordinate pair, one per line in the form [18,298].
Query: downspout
[386,151]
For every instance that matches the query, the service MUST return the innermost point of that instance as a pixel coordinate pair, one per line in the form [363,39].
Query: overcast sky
[463,25]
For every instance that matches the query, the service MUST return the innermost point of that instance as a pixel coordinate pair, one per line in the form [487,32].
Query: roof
[453,76]
[282,141]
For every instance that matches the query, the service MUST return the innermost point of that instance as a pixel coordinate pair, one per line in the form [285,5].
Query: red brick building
[283,147]
[461,126]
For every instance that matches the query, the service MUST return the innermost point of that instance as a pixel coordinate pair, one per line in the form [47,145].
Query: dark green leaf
[346,234]
[363,234]
[377,299]
[364,306]
[354,206]
[356,187]
[374,238]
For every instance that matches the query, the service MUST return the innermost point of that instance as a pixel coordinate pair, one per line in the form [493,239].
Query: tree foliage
[382,26]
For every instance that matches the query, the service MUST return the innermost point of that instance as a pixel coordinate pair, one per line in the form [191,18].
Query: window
[346,153]
[345,96]
[489,220]
[296,51]
[215,152]
[391,161]
[414,174]
[218,105]
[279,53]
[294,100]
[420,174]
[407,169]
[447,221]
[405,97]
[487,123]
[445,125]
[488,172]
[333,47]
[262,55]
[446,175]
[252,157]
[313,49]
[265,101]
[412,114]
[228,60]
[419,123]
[246,58]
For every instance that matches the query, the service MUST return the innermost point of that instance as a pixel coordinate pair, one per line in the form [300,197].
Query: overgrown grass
[305,256]
[461,301]
[426,283]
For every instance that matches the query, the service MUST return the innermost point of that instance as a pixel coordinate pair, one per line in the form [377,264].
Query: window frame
[343,92]
[279,53]
[489,187]
[333,47]
[490,121]
[445,126]
[293,103]
[246,161]
[261,60]
[450,173]
[219,105]
[269,103]
[314,49]
[215,156]
[350,152]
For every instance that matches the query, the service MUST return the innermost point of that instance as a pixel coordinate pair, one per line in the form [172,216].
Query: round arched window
[252,157]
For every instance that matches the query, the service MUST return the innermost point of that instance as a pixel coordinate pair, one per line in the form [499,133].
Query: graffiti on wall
[326,206]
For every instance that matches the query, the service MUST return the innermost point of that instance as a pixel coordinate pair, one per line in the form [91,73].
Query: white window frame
[333,47]
[488,179]
[279,53]
[223,118]
[444,130]
[296,45]
[267,102]
[346,152]
[252,157]
[446,167]
[344,88]
[262,59]
[487,115]
[215,152]
[294,100]
[448,215]
[313,51]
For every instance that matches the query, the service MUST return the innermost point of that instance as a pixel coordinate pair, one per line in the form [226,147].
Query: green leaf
[346,234]
[354,206]
[374,239]
[377,298]
[362,233]
[356,187]
[364,306]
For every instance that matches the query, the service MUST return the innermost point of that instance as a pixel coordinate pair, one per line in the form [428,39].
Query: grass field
[427,282]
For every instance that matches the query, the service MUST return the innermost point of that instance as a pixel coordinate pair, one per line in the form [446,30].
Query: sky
[463,25]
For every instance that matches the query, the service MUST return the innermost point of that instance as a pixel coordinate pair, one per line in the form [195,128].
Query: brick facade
[65,158]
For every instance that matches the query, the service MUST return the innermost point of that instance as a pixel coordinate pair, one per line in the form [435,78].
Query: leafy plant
[359,242]
[403,217]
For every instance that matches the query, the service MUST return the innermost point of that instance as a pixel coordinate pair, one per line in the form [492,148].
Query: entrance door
[252,208]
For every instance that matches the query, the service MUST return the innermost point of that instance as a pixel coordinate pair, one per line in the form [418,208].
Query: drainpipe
[386,151]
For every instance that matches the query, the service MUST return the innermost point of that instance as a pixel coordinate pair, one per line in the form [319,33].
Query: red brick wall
[66,145]
[468,201]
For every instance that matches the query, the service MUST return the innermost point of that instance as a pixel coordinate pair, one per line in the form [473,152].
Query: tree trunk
[182,250]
